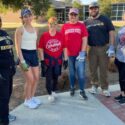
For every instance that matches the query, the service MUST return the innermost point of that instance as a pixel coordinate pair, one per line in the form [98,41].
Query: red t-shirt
[73,34]
[52,45]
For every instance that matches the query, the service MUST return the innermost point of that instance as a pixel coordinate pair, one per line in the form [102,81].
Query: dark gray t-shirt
[98,30]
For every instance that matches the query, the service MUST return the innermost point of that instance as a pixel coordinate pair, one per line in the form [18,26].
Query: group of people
[69,47]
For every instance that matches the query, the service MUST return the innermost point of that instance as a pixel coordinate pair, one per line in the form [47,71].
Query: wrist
[23,61]
[112,46]
[42,61]
[82,53]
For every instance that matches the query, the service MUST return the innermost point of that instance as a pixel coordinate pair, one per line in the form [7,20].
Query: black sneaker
[3,123]
[122,101]
[83,95]
[72,92]
[117,98]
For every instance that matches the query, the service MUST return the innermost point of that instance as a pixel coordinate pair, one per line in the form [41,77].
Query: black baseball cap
[93,4]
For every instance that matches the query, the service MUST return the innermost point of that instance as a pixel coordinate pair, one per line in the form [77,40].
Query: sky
[87,1]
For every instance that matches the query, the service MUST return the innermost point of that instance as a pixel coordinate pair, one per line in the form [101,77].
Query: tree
[15,4]
[78,5]
[39,7]
[3,9]
[105,7]
[117,1]
[51,12]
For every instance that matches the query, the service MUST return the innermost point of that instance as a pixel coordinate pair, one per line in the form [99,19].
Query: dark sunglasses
[92,8]
[73,14]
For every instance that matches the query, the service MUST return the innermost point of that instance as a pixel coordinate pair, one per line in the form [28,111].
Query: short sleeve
[63,36]
[84,31]
[109,24]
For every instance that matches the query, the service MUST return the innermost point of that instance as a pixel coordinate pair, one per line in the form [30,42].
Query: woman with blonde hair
[51,48]
[26,46]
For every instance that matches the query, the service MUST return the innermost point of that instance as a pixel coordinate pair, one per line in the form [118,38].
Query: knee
[36,78]
[30,81]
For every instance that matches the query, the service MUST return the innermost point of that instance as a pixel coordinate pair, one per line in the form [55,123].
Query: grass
[15,25]
[11,27]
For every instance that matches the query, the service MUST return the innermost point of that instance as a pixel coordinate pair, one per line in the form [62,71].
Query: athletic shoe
[51,98]
[122,101]
[72,92]
[118,98]
[37,101]
[30,104]
[82,94]
[93,90]
[106,93]
[11,118]
[54,94]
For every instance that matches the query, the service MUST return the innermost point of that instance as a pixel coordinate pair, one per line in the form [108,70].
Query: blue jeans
[76,68]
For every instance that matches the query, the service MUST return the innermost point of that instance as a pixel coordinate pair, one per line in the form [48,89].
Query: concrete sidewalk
[66,111]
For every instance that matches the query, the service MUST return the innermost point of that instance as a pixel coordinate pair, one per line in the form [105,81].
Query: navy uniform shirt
[6,52]
[98,30]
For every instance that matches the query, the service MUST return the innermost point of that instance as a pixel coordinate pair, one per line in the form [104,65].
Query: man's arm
[84,43]
[112,37]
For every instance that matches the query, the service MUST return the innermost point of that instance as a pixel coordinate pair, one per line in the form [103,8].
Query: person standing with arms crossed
[101,31]
[75,36]
[26,46]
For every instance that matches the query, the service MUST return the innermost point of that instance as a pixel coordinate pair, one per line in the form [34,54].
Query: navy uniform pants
[6,82]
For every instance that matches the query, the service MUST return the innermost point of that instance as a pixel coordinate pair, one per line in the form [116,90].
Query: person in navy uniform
[7,71]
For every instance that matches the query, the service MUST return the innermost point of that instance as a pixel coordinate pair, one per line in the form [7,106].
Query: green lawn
[11,27]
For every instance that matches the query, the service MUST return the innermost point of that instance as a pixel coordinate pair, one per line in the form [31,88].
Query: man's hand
[81,56]
[111,51]
[65,64]
[24,66]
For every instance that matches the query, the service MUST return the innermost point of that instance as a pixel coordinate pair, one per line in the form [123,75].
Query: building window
[117,11]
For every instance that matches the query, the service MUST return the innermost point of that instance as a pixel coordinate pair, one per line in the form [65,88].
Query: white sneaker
[51,98]
[54,94]
[30,104]
[37,101]
[106,93]
[93,90]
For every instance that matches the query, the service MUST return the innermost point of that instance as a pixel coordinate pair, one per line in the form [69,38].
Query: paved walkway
[67,111]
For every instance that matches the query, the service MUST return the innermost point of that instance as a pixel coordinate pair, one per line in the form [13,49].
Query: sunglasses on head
[73,14]
[27,15]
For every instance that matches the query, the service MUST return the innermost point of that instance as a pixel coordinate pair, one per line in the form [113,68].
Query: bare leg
[35,72]
[29,83]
